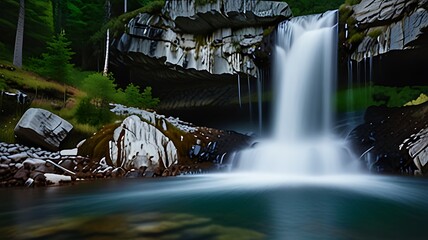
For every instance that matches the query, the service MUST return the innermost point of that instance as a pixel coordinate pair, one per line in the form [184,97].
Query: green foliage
[359,98]
[306,7]
[356,38]
[5,52]
[396,97]
[374,33]
[2,84]
[55,63]
[38,25]
[88,113]
[8,123]
[77,76]
[354,99]
[352,2]
[81,20]
[345,11]
[132,97]
[147,100]
[117,24]
[99,87]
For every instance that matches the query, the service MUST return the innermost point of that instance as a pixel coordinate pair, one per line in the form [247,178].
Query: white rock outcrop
[219,37]
[137,143]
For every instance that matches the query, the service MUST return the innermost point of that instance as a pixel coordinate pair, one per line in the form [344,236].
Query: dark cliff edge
[393,140]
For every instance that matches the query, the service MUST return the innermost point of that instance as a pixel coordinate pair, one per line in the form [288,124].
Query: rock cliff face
[393,140]
[390,25]
[195,44]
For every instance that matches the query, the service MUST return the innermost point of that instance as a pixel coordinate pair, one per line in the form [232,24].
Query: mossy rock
[97,146]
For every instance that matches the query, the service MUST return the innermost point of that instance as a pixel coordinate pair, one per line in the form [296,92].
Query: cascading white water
[305,69]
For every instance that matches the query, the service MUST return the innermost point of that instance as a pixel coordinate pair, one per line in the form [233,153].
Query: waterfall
[370,75]
[260,99]
[239,91]
[306,71]
[350,93]
[305,68]
[249,98]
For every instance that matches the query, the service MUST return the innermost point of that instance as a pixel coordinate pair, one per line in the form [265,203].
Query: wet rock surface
[393,140]
[401,24]
[417,148]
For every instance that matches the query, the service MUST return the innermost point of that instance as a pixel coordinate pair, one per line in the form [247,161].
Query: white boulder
[43,128]
[137,143]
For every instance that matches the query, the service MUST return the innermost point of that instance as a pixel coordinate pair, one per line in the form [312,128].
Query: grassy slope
[58,98]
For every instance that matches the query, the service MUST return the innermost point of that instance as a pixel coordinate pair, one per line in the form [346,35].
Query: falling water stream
[296,184]
[305,71]
[239,91]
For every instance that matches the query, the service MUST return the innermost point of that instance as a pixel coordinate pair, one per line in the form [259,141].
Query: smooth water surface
[220,207]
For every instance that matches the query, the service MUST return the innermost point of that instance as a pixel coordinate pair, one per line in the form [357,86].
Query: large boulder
[42,128]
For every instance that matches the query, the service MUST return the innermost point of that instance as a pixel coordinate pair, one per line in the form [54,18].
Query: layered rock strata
[218,37]
[191,47]
[389,25]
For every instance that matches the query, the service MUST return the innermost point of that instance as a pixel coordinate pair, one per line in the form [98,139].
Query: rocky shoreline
[22,165]
[145,144]
[29,166]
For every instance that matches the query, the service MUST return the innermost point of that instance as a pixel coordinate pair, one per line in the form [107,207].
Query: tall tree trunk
[19,39]
[108,11]
[107,53]
[125,6]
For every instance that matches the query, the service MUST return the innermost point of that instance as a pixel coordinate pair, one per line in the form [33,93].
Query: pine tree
[56,61]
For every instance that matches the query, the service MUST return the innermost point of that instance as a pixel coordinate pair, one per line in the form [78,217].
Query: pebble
[12,150]
[18,156]
[4,166]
